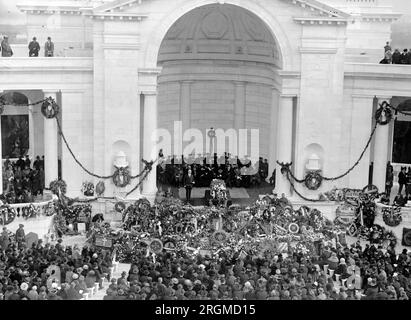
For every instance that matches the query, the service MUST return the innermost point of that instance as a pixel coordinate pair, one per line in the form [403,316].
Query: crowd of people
[404,183]
[34,48]
[48,271]
[396,57]
[22,180]
[382,275]
[235,172]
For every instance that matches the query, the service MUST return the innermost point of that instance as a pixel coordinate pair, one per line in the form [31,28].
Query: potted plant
[88,188]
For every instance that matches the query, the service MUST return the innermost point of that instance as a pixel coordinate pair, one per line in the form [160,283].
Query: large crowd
[49,271]
[383,276]
[22,180]
[56,272]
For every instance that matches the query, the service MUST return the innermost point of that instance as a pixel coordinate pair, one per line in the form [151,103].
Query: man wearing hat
[34,48]
[4,239]
[49,48]
[5,47]
[20,236]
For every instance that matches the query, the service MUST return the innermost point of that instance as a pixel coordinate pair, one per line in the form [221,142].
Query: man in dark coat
[404,57]
[396,57]
[34,48]
[5,47]
[49,48]
[188,184]
[20,235]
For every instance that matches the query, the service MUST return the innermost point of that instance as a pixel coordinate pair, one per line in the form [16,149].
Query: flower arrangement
[377,234]
[58,186]
[218,189]
[88,188]
[30,212]
[392,216]
[7,215]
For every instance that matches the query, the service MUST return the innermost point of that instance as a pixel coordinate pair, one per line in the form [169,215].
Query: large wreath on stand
[392,216]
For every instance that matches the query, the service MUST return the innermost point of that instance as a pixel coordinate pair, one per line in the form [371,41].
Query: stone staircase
[116,271]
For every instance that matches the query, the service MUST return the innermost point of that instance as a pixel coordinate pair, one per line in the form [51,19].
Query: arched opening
[401,141]
[220,69]
[15,125]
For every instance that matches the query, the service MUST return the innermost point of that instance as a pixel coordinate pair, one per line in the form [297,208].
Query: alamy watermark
[241,145]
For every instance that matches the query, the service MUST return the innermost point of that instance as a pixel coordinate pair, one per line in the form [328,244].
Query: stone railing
[42,206]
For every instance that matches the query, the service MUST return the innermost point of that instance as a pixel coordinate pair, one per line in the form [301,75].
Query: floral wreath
[119,206]
[392,216]
[11,214]
[50,209]
[384,107]
[313,180]
[126,177]
[50,108]
[30,212]
[87,187]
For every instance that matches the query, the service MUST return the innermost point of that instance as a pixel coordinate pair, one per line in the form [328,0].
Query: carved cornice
[380,17]
[116,6]
[115,16]
[321,21]
[50,9]
[320,8]
[80,10]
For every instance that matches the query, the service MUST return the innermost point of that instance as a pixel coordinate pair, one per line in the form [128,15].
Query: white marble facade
[305,73]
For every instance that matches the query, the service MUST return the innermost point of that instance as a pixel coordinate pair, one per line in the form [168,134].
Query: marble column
[239,105]
[185,107]
[381,151]
[150,151]
[284,142]
[273,132]
[50,146]
[239,114]
[361,126]
[31,134]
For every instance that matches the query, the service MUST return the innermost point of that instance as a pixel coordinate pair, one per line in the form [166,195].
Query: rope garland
[74,157]
[4,103]
[140,182]
[291,177]
[297,192]
[359,159]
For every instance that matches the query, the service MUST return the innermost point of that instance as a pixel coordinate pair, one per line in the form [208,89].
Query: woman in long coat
[4,239]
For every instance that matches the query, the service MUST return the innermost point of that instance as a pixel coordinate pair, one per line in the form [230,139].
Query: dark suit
[188,184]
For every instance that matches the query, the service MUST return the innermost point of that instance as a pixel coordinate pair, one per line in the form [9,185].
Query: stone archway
[150,74]
[152,49]
[220,65]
